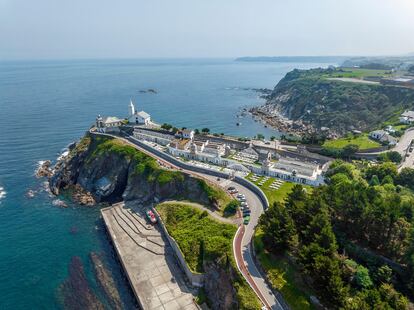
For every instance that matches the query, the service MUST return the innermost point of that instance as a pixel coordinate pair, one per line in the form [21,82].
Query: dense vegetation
[311,96]
[353,238]
[203,240]
[144,164]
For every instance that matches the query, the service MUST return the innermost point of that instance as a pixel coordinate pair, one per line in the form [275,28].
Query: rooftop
[143,114]
[110,119]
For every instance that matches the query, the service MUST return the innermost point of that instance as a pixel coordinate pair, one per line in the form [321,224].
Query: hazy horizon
[94,29]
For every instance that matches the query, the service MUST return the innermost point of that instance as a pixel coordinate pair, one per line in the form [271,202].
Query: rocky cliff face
[308,100]
[108,170]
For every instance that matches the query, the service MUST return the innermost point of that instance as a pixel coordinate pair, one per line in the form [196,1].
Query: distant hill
[316,59]
[397,62]
[320,98]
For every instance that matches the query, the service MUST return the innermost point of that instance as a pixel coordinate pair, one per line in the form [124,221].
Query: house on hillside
[383,137]
[407,117]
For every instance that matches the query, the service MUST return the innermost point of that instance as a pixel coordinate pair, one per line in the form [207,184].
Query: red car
[151,217]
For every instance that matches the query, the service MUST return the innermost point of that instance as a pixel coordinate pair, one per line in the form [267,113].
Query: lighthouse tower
[131,109]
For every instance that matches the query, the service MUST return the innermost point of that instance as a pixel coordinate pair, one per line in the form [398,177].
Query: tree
[205,130]
[392,156]
[382,170]
[196,131]
[166,126]
[383,274]
[362,277]
[272,138]
[260,136]
[406,178]
[349,150]
[374,181]
[278,228]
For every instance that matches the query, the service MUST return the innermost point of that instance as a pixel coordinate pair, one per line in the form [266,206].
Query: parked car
[231,188]
[246,220]
[151,217]
[244,204]
[246,212]
[242,199]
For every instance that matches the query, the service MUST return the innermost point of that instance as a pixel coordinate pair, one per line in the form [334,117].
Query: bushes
[391,156]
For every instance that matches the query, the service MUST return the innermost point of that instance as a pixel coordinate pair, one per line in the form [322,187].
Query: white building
[186,134]
[162,137]
[108,123]
[407,117]
[139,118]
[383,136]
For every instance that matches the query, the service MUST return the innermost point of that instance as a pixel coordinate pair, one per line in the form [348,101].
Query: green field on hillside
[363,142]
[357,73]
[272,194]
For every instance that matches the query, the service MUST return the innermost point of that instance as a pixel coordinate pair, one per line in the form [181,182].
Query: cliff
[109,170]
[307,100]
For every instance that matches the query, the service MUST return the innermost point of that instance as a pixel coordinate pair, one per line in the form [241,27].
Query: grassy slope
[363,141]
[358,73]
[201,238]
[275,195]
[283,276]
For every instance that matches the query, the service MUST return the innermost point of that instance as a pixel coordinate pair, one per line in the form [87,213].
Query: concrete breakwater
[147,259]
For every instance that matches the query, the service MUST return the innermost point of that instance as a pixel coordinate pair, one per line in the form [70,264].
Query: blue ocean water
[44,105]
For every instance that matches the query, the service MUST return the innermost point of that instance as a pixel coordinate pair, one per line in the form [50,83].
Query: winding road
[243,239]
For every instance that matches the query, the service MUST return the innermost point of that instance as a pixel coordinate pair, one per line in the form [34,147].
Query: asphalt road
[402,147]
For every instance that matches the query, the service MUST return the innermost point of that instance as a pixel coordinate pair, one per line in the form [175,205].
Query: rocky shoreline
[273,117]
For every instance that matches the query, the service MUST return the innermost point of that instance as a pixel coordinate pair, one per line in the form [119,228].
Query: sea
[45,105]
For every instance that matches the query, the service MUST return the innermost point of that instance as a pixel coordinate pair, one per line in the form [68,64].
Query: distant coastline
[315,59]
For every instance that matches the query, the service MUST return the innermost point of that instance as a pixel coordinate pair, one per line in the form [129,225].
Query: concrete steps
[129,226]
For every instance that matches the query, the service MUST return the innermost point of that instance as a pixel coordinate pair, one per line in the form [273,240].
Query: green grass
[357,73]
[202,239]
[283,276]
[275,195]
[216,193]
[363,142]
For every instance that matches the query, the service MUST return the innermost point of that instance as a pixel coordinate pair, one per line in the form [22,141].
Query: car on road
[246,220]
[151,217]
[246,212]
[241,196]
[243,199]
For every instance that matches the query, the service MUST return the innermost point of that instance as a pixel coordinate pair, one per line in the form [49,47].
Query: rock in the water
[30,193]
[106,282]
[75,290]
[59,203]
[44,169]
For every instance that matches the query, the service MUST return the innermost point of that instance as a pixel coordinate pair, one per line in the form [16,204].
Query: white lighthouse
[139,118]
[131,109]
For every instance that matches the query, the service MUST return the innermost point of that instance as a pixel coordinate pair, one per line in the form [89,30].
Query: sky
[63,29]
